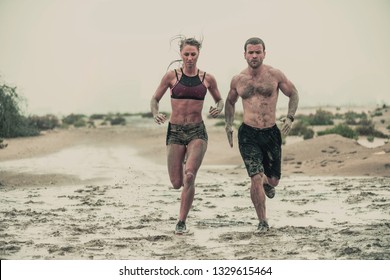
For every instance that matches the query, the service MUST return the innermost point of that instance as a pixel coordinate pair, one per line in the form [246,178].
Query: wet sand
[105,194]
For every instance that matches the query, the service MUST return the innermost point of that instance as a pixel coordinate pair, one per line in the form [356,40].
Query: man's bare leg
[258,199]
[258,196]
[269,186]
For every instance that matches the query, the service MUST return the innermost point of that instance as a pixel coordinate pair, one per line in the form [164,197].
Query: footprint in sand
[235,236]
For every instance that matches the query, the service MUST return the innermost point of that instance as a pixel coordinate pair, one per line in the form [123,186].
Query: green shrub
[377,113]
[308,134]
[118,120]
[340,129]
[12,121]
[321,117]
[97,116]
[367,128]
[370,138]
[352,117]
[80,123]
[72,119]
[44,122]
[304,119]
[301,129]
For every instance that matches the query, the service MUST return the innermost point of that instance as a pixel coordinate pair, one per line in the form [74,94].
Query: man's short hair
[254,41]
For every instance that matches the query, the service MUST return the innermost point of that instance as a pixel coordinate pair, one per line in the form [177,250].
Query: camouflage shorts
[184,134]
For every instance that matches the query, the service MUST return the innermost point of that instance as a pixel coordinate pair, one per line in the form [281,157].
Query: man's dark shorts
[261,150]
[184,134]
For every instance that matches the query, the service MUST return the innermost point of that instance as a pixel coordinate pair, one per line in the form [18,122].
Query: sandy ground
[105,194]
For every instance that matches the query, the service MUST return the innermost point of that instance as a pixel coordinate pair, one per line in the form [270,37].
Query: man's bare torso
[259,95]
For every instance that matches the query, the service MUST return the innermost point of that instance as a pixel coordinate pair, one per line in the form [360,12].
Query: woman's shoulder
[206,75]
[170,74]
[169,78]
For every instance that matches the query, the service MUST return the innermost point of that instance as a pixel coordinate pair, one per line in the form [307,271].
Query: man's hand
[229,133]
[214,112]
[160,118]
[286,127]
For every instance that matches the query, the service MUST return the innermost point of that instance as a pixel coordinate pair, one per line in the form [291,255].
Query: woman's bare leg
[175,159]
[196,150]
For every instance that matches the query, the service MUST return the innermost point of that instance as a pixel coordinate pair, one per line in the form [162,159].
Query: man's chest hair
[263,87]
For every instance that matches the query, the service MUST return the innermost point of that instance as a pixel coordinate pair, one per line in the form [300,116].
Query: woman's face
[190,55]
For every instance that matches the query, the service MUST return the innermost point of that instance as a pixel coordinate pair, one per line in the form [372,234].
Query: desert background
[101,191]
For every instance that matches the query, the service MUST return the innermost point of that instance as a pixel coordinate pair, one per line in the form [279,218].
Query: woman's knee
[177,183]
[189,176]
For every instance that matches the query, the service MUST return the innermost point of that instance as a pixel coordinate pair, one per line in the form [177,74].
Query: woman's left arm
[214,91]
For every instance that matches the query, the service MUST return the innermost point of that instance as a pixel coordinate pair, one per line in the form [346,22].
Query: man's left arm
[289,89]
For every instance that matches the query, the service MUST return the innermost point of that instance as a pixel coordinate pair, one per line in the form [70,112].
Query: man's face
[254,55]
[190,55]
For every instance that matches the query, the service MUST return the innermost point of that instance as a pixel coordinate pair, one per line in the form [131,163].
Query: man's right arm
[230,109]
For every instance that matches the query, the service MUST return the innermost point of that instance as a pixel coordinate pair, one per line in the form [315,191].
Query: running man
[259,138]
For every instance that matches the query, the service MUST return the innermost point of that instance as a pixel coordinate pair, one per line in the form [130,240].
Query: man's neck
[254,72]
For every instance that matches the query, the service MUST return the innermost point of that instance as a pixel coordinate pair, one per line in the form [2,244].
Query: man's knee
[273,181]
[257,179]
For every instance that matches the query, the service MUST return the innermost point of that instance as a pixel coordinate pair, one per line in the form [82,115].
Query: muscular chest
[264,88]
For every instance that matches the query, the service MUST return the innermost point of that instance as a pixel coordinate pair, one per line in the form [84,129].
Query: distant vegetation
[321,117]
[13,123]
[302,129]
[340,129]
[352,124]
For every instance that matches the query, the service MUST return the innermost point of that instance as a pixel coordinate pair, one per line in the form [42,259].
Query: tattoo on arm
[230,110]
[293,103]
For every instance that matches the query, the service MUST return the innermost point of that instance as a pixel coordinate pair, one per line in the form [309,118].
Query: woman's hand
[214,112]
[160,118]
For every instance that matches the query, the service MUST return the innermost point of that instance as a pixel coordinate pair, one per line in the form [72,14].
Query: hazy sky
[100,56]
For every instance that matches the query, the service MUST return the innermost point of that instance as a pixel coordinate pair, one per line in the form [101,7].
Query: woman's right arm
[154,102]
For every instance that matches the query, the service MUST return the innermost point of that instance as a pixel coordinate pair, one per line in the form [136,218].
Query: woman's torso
[187,97]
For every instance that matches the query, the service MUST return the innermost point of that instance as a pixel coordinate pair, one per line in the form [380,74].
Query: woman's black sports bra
[189,87]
